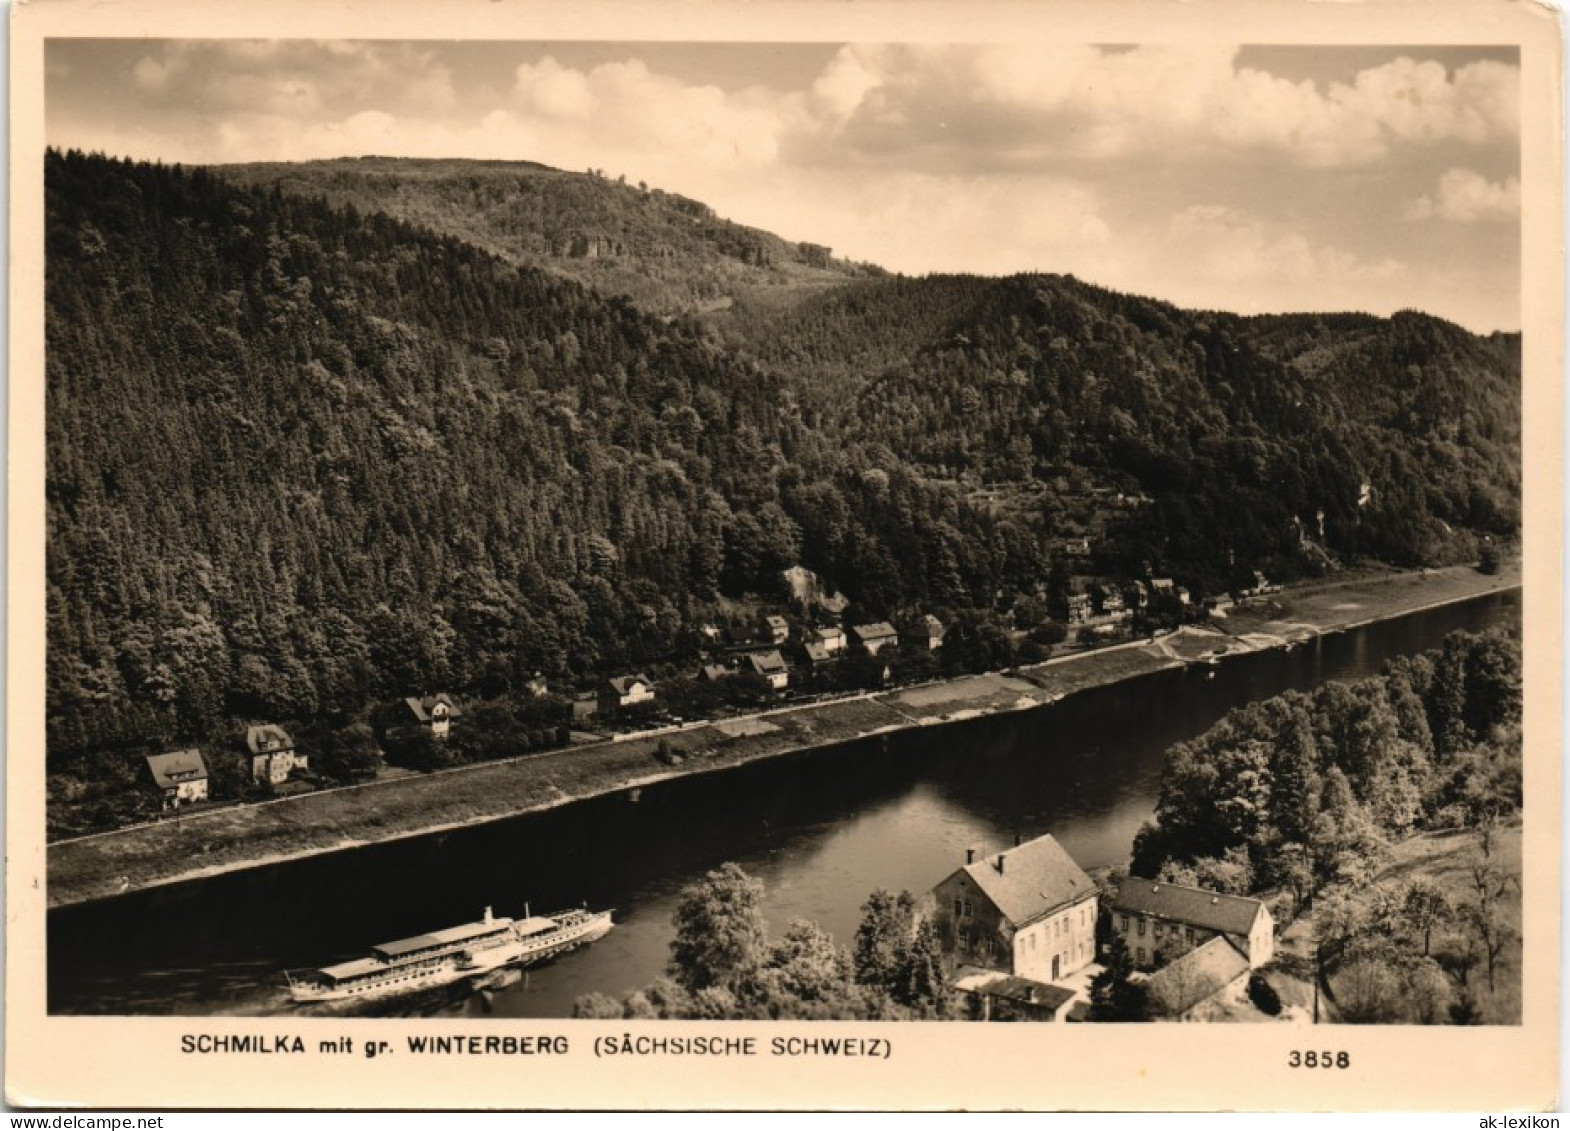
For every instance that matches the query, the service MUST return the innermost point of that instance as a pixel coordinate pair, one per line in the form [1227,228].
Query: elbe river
[822,830]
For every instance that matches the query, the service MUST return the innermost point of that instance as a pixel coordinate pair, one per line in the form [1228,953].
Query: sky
[1216,176]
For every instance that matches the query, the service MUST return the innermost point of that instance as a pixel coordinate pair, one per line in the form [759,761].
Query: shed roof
[175,766]
[1026,991]
[1031,879]
[1230,914]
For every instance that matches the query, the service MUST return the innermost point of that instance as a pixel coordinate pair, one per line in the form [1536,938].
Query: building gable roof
[1186,981]
[623,684]
[879,630]
[1229,914]
[176,766]
[421,708]
[767,663]
[269,738]
[816,652]
[1032,879]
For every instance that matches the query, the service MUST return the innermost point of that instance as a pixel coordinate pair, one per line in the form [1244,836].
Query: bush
[1263,995]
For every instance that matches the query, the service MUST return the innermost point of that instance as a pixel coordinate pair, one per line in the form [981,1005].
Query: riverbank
[232,839]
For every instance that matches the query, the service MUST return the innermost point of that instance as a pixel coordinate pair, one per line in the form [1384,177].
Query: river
[821,830]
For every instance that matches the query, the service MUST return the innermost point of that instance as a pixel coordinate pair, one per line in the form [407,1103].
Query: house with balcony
[271,756]
[179,777]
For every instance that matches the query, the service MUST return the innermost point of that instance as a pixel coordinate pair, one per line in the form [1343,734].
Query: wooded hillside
[303,457]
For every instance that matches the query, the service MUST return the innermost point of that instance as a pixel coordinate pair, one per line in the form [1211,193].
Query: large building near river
[1029,912]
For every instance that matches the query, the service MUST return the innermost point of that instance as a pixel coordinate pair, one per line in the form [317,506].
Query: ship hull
[569,931]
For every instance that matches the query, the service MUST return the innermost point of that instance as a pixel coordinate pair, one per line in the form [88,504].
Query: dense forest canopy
[304,456]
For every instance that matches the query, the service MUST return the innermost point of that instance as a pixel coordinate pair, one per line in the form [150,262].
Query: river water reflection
[821,830]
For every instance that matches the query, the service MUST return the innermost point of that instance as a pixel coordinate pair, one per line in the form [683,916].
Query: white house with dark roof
[1029,912]
[771,666]
[272,756]
[179,776]
[434,712]
[875,637]
[625,691]
[1166,920]
[831,638]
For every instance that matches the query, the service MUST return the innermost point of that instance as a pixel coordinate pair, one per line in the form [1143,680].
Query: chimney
[1001,858]
[970,856]
[1016,840]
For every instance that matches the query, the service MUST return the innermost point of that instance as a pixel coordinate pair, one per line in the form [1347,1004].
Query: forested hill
[1257,440]
[668,253]
[303,457]
[300,459]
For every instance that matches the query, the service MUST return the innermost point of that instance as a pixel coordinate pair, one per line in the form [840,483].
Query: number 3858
[1312,1059]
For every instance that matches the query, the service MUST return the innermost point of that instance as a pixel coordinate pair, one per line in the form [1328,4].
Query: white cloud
[1216,255]
[550,89]
[1466,197]
[1035,105]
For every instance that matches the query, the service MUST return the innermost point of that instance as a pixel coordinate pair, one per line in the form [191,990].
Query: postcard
[789,556]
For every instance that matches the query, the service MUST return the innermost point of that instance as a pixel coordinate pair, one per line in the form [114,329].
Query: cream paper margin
[136,1062]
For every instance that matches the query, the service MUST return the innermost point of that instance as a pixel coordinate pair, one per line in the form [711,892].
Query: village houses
[775,629]
[875,637]
[1029,912]
[179,777]
[1079,609]
[272,756]
[435,713]
[1159,921]
[771,666]
[932,632]
[816,653]
[830,638]
[624,691]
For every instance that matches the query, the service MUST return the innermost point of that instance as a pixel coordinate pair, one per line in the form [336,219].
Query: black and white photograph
[542,536]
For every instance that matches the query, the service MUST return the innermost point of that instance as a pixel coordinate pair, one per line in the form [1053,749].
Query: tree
[922,985]
[596,1006]
[1113,995]
[805,976]
[1425,907]
[720,931]
[1486,917]
[350,754]
[883,936]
